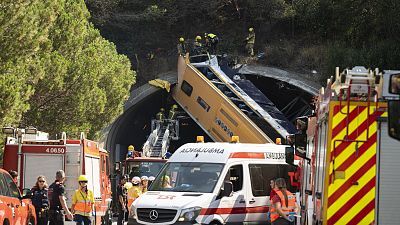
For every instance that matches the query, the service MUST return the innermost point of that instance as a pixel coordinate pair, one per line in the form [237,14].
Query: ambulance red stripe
[235,210]
[247,155]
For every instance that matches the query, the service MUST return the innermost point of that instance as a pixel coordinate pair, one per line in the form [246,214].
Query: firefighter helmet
[198,38]
[82,178]
[251,29]
[131,148]
[144,178]
[181,39]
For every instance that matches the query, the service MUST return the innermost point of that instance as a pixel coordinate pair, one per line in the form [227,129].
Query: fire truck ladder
[240,93]
[157,143]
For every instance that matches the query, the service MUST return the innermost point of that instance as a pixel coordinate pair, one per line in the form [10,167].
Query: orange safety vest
[133,193]
[84,202]
[285,208]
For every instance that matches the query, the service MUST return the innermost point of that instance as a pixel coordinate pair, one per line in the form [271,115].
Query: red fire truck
[342,147]
[32,158]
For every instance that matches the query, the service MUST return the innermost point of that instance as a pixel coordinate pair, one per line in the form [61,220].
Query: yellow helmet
[174,106]
[198,38]
[251,29]
[181,39]
[131,148]
[82,178]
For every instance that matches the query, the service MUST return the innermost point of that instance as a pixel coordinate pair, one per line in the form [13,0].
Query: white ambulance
[214,183]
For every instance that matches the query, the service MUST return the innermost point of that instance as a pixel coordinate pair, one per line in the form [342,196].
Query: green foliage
[57,72]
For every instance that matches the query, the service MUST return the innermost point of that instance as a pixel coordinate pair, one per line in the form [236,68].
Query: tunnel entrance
[134,126]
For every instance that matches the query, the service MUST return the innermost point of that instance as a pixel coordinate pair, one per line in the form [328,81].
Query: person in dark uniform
[58,205]
[122,201]
[40,200]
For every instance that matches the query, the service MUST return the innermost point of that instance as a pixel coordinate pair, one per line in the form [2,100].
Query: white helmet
[151,178]
[136,180]
[144,178]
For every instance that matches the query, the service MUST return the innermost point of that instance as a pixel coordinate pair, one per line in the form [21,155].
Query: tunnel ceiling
[134,125]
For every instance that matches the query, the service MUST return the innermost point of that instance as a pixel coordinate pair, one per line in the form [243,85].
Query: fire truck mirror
[300,142]
[227,189]
[301,124]
[289,155]
[394,86]
[394,119]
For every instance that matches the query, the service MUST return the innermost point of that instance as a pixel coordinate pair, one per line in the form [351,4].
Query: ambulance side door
[258,203]
[233,208]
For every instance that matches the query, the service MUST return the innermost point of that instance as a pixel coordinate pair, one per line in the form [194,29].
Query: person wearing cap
[122,200]
[82,202]
[135,191]
[144,183]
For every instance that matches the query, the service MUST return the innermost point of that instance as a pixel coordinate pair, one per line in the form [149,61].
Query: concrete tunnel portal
[291,93]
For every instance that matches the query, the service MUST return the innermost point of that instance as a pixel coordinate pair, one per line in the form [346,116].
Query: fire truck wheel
[107,219]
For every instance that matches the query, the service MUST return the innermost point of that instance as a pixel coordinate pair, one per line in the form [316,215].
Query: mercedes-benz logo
[153,215]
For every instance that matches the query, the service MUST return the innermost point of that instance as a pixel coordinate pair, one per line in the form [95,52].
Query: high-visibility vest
[83,202]
[133,193]
[285,208]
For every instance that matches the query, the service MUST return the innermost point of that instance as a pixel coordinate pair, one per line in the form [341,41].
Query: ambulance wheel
[215,223]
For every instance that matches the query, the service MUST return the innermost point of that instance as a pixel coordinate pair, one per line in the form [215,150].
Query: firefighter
[172,112]
[211,42]
[40,200]
[283,205]
[58,206]
[151,179]
[197,46]
[82,202]
[135,191]
[122,200]
[160,115]
[181,47]
[250,40]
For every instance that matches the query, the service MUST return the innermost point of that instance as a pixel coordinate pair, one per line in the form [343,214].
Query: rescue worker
[122,200]
[151,179]
[135,191]
[14,176]
[283,205]
[250,40]
[160,115]
[172,112]
[197,46]
[58,206]
[144,183]
[40,200]
[82,202]
[181,47]
[211,42]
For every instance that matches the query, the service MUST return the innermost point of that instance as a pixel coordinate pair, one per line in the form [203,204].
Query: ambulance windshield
[188,177]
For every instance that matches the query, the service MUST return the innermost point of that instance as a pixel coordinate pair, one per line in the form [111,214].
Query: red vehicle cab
[14,209]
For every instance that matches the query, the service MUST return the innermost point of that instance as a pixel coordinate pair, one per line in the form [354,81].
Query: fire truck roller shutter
[92,171]
[41,164]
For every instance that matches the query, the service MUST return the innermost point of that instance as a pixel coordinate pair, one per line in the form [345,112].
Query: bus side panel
[351,163]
